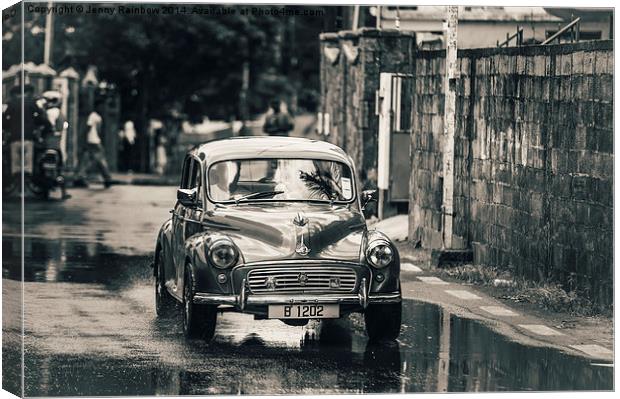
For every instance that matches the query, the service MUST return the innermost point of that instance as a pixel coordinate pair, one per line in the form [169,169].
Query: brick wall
[533,160]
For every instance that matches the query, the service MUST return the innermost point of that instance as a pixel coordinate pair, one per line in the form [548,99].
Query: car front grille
[302,279]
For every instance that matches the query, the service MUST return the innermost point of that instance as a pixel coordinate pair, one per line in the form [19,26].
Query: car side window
[193,174]
[194,179]
[185,175]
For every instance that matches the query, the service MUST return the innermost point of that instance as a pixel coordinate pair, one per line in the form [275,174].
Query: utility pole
[356,17]
[49,36]
[245,85]
[449,125]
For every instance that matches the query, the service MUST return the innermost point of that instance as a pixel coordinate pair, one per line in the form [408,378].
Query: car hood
[273,232]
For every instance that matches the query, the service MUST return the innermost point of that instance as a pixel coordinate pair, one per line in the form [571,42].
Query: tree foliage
[160,62]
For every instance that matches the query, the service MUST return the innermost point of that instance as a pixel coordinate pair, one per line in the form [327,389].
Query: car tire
[163,300]
[198,320]
[383,321]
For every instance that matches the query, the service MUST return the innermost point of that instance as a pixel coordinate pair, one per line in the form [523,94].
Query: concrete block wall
[349,84]
[426,182]
[533,161]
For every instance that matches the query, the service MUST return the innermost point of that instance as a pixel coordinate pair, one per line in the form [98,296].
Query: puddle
[65,260]
[248,357]
[125,350]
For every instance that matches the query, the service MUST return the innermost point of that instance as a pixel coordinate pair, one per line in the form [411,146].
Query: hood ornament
[301,247]
[300,220]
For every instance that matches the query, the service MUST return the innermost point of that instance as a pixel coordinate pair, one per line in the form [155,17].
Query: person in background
[57,139]
[20,150]
[278,122]
[128,144]
[160,152]
[34,118]
[94,151]
[154,132]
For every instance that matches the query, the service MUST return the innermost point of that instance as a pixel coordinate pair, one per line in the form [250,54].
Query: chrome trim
[363,294]
[241,301]
[347,299]
[319,279]
[299,262]
[243,296]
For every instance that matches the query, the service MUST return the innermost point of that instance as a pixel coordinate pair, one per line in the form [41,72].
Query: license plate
[313,311]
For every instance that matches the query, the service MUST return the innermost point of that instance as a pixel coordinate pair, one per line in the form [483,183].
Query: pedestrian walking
[279,122]
[57,140]
[94,152]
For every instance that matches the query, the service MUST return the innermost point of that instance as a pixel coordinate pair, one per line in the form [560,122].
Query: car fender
[164,241]
[205,275]
[195,249]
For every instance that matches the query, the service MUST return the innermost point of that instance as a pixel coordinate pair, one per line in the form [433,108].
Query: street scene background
[523,298]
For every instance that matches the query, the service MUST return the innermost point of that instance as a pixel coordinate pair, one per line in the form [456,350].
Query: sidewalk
[138,179]
[590,337]
[144,179]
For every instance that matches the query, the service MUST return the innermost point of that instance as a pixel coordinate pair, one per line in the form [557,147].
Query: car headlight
[223,254]
[380,254]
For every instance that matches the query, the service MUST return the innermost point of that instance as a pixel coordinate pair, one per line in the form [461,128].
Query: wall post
[449,126]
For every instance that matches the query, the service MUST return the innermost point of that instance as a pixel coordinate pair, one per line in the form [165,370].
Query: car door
[189,218]
[178,226]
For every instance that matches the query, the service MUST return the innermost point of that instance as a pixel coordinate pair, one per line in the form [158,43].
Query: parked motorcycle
[41,168]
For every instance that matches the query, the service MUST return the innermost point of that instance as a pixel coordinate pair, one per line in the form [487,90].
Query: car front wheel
[383,321]
[198,320]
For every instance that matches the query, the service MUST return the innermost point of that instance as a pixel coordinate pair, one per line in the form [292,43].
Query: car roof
[269,147]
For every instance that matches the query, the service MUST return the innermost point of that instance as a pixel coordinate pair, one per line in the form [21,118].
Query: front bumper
[246,300]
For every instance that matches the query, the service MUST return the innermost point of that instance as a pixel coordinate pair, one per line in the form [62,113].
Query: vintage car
[274,227]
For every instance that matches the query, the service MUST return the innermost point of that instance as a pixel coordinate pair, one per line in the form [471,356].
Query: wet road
[91,327]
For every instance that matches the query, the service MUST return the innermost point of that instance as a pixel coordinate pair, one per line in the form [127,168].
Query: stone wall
[533,161]
[426,182]
[351,62]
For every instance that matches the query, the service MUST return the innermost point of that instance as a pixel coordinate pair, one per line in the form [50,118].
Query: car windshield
[280,180]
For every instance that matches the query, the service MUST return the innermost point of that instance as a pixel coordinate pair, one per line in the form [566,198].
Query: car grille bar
[302,279]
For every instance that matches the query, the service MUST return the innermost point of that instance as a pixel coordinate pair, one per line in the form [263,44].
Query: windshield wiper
[257,195]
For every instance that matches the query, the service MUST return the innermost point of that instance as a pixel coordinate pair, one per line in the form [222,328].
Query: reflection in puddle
[69,261]
[435,352]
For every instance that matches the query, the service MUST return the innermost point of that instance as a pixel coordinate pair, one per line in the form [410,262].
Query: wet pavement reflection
[91,330]
[436,351]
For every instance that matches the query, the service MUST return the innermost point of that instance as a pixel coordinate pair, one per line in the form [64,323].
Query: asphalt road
[91,327]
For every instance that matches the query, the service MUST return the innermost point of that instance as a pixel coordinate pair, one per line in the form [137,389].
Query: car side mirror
[368,196]
[187,196]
